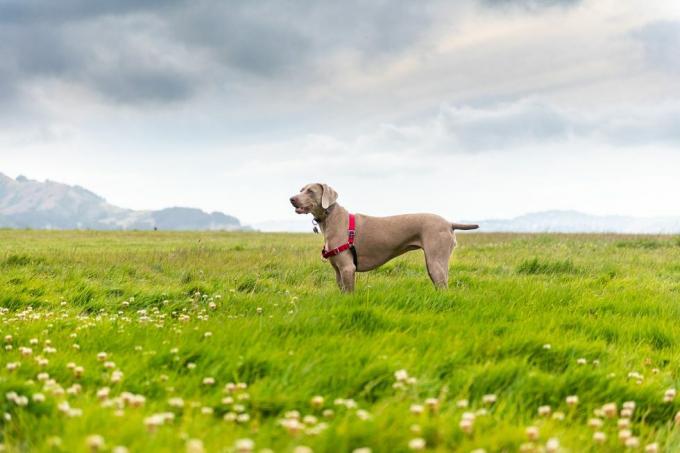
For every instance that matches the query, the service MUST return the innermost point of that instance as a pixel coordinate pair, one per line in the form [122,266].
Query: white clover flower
[401,375]
[417,444]
[244,445]
[599,437]
[416,409]
[466,425]
[547,346]
[544,411]
[572,400]
[317,401]
[553,445]
[532,433]
[94,442]
[610,410]
[652,448]
[595,423]
[208,381]
[489,399]
[581,361]
[176,402]
[632,442]
[195,446]
[102,356]
[623,423]
[669,395]
[38,397]
[624,435]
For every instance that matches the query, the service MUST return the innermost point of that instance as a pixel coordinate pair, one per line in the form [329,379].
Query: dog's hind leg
[437,254]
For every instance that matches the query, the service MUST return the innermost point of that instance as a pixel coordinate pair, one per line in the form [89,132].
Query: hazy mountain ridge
[578,222]
[26,203]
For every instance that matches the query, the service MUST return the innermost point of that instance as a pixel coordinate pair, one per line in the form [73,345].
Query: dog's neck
[333,221]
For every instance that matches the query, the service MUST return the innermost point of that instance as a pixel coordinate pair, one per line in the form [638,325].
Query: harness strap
[349,245]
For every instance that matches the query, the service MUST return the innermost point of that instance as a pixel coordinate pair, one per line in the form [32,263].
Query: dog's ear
[328,196]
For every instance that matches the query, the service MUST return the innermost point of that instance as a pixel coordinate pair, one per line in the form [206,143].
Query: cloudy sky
[472,109]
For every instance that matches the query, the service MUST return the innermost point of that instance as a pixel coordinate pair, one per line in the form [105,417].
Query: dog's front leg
[347,278]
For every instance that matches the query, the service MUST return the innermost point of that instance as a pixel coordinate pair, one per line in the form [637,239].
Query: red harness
[349,245]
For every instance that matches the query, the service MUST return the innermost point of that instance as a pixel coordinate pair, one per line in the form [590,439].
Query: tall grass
[531,319]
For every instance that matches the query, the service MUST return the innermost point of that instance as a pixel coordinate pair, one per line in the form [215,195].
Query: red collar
[351,232]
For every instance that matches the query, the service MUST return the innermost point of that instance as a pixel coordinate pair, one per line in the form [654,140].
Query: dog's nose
[292,201]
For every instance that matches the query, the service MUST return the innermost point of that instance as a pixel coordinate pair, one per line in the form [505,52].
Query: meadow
[158,341]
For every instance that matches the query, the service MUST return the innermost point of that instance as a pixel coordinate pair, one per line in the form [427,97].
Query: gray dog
[359,243]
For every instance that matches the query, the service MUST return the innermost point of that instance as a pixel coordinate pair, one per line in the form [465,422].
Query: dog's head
[314,198]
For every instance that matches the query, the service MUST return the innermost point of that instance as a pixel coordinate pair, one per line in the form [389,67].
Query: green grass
[280,326]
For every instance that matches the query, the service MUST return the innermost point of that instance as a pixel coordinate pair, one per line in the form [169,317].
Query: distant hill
[25,203]
[578,222]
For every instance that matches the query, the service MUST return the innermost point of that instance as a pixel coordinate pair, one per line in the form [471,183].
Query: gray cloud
[661,41]
[528,122]
[226,42]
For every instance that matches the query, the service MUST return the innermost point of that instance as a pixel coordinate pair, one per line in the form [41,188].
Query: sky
[473,109]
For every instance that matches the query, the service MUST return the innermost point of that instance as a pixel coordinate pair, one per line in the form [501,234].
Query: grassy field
[241,342]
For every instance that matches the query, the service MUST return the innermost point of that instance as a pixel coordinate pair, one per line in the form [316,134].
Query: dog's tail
[464,226]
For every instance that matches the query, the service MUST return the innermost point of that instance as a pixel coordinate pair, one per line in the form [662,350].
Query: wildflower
[609,410]
[466,425]
[116,376]
[553,445]
[544,411]
[102,356]
[432,404]
[677,418]
[599,437]
[244,445]
[109,365]
[309,420]
[401,375]
[292,425]
[489,399]
[207,410]
[328,413]
[462,404]
[624,435]
[416,409]
[103,393]
[38,397]
[669,395]
[623,423]
[581,361]
[652,448]
[595,423]
[317,401]
[119,449]
[176,402]
[547,346]
[95,442]
[559,416]
[195,446]
[208,381]
[363,414]
[207,334]
[632,442]
[532,433]
[191,365]
[417,444]
[78,371]
[572,400]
